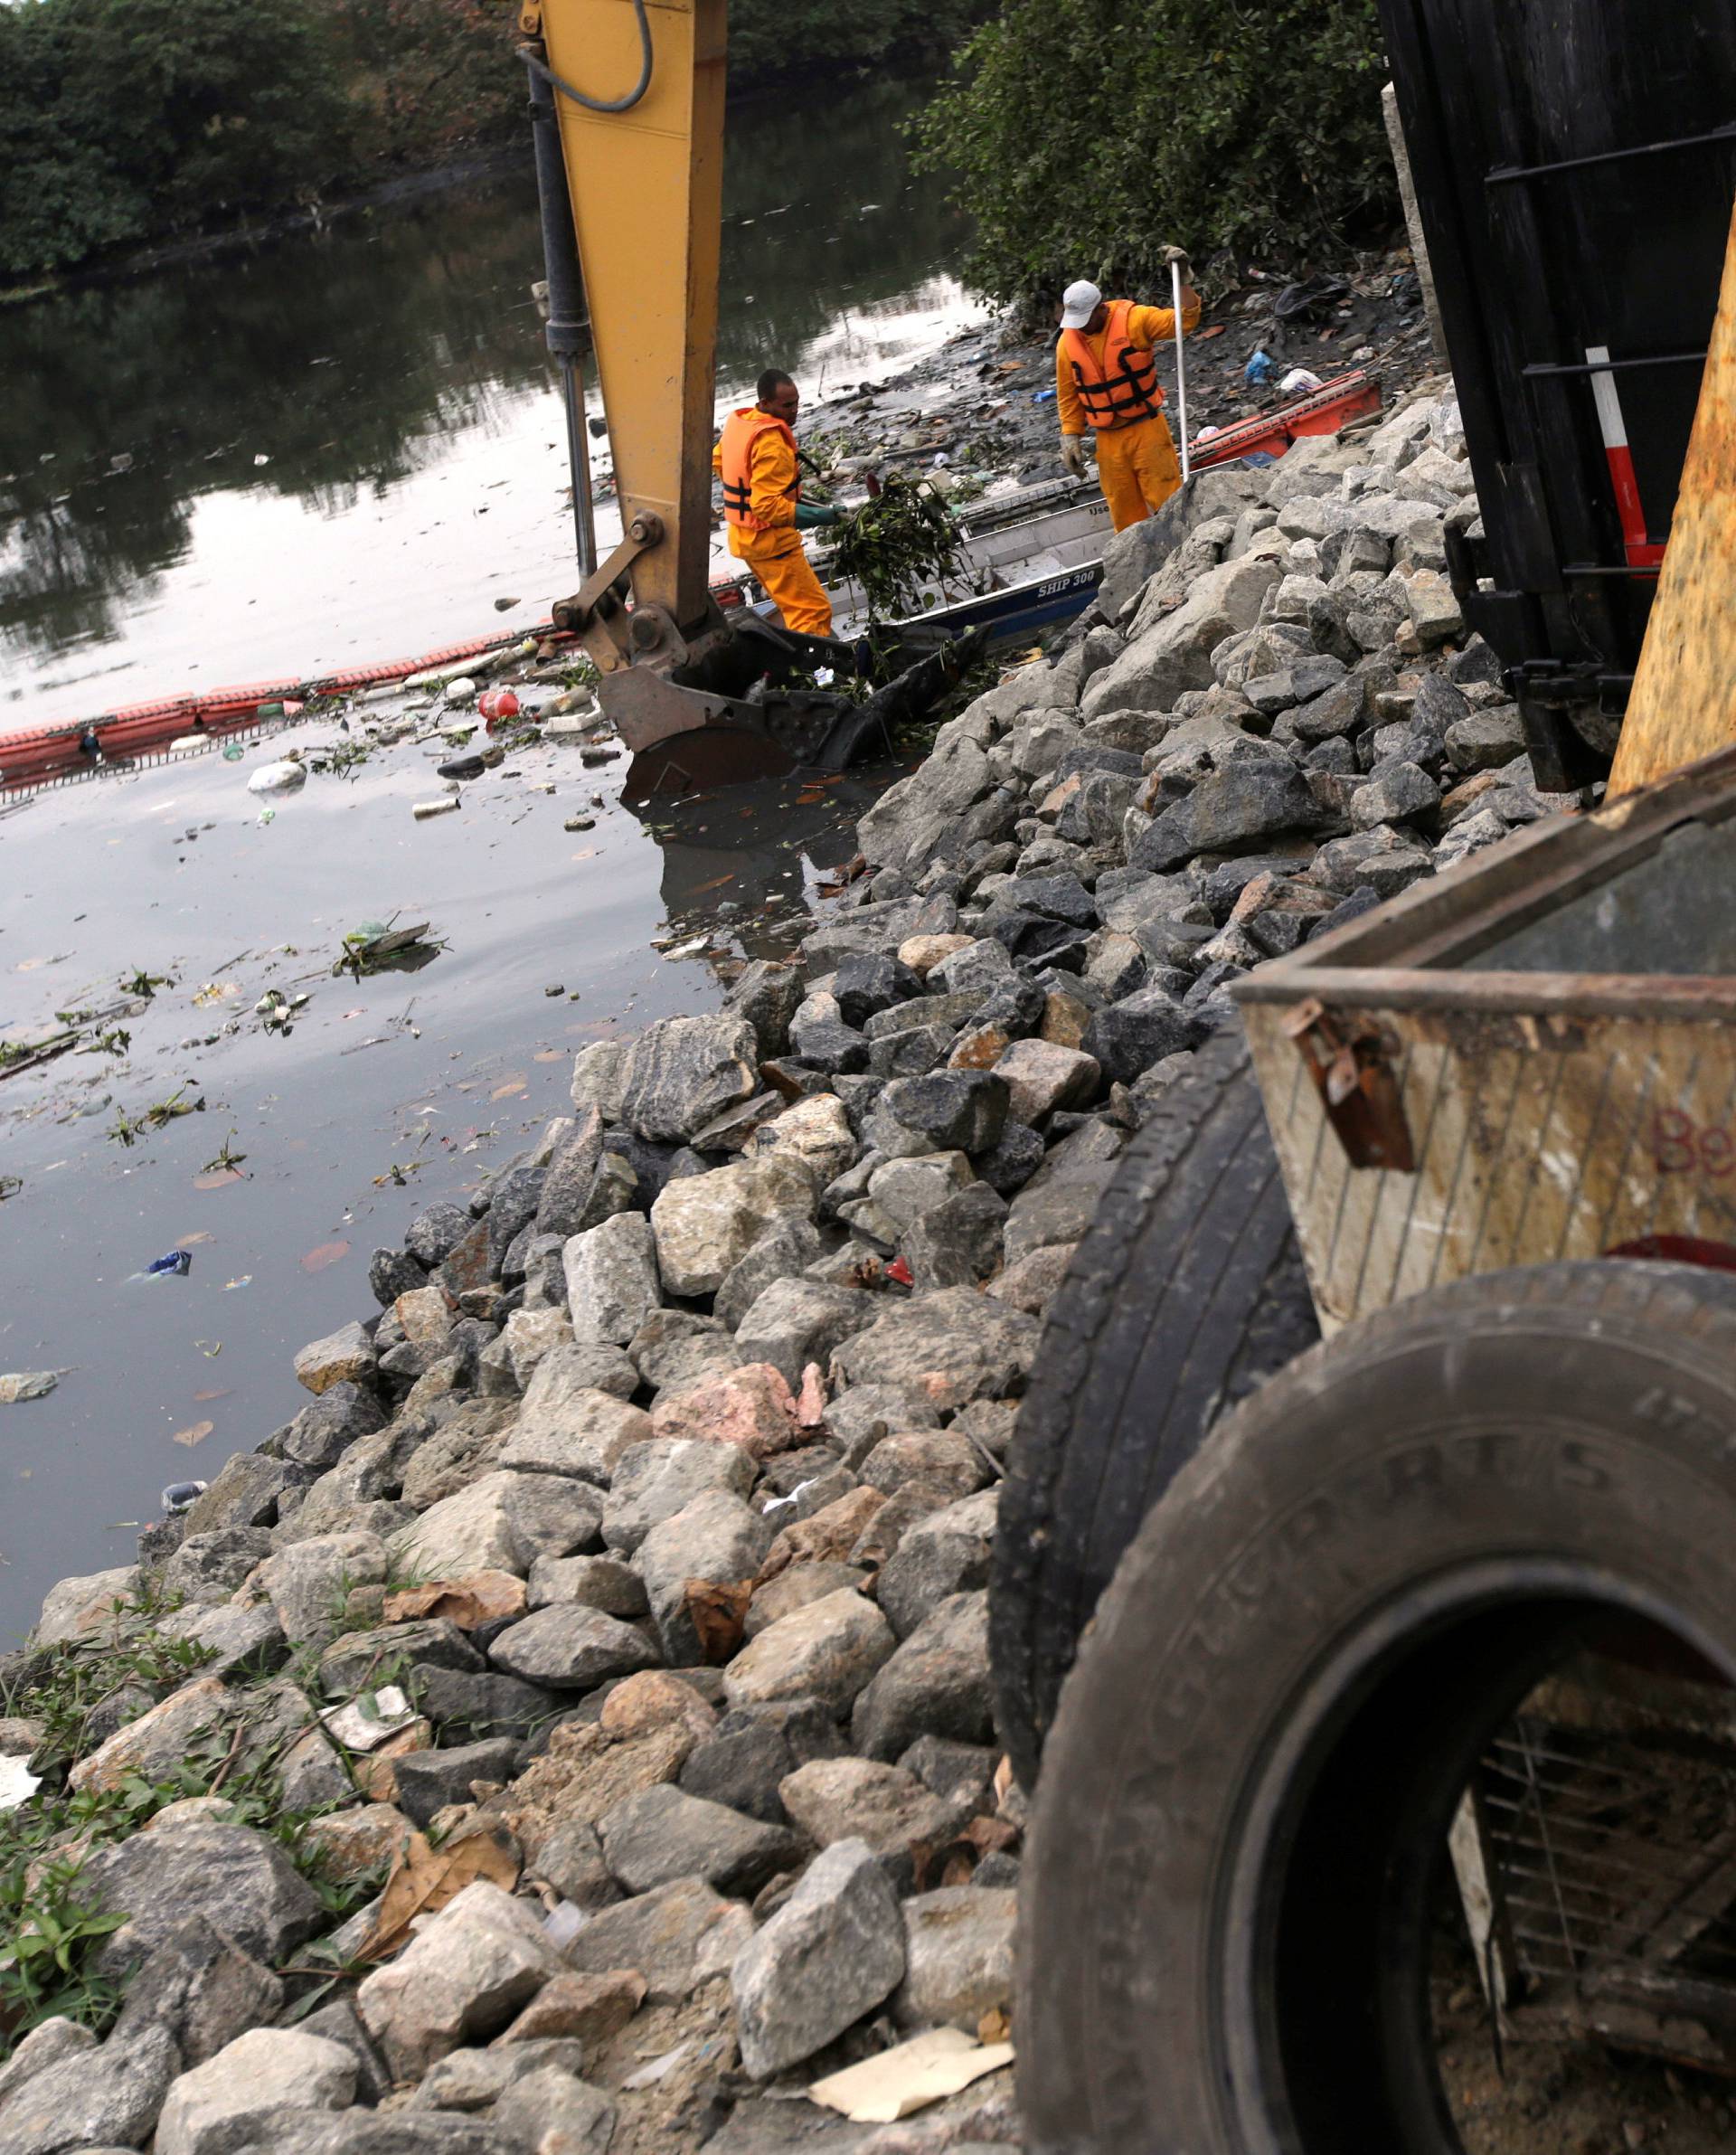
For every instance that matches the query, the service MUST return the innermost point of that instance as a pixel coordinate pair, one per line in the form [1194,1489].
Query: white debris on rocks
[657,1500]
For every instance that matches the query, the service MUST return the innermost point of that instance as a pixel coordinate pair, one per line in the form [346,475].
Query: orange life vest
[741,430]
[1125,386]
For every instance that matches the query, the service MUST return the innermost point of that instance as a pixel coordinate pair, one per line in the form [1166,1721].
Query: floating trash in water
[230,1286]
[27,1384]
[278,778]
[379,947]
[179,1495]
[177,1263]
[196,1434]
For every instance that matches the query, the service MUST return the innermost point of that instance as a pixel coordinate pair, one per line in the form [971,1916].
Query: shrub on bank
[1086,134]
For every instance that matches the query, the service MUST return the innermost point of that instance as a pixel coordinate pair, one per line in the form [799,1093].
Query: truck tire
[1244,1809]
[1187,1293]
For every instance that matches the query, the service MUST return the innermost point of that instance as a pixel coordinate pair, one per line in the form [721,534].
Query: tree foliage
[128,121]
[1087,133]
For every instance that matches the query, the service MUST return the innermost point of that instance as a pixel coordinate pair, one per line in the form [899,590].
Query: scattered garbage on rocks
[607,1633]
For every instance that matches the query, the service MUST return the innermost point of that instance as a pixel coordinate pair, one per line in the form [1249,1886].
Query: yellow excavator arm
[627,105]
[632,93]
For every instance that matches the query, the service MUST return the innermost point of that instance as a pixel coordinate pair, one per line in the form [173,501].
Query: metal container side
[1537,1113]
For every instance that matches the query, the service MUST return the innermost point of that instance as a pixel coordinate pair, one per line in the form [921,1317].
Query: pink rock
[752,1406]
[810,1404]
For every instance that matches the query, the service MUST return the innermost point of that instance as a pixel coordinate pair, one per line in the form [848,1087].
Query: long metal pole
[1181,367]
[569,329]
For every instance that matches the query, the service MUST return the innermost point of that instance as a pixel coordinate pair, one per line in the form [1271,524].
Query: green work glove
[809,515]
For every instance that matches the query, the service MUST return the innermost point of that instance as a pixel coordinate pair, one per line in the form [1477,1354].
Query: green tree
[126,119]
[1086,134]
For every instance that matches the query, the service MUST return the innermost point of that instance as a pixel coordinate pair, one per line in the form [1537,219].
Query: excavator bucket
[1683,706]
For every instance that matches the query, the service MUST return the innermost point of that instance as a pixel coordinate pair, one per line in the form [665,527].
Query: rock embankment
[572,1730]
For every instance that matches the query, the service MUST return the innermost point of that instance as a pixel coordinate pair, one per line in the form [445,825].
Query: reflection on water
[349,446]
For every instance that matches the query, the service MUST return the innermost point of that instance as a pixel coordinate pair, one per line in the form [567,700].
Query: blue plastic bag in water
[1261,368]
[178,1263]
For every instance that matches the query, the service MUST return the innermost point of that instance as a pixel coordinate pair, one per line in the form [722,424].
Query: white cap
[1079,302]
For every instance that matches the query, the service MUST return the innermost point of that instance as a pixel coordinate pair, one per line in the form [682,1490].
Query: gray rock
[707,1224]
[207,1568]
[766,996]
[435,1233]
[1128,1037]
[951,1348]
[944,1555]
[306,1584]
[598,1073]
[372,2132]
[48,2044]
[202,1990]
[677,1936]
[959,1957]
[245,1493]
[553,2114]
[462,1977]
[866,982]
[570,1858]
[108,2097]
[513,1199]
[715,1540]
[783,1251]
[1042,1076]
[1233,810]
[743,1764]
[567,1185]
[321,1433]
[358,1658]
[1012,1162]
[831,1954]
[251,2087]
[661,1834]
[828,1650]
[569,1647]
[682,1072]
[467,1706]
[241,1881]
[794,1322]
[674,1348]
[503,1522]
[654,1480]
[428,1781]
[573,1431]
[612,1282]
[1397,793]
[957,1242]
[842,1798]
[1485,739]
[474,2080]
[593,1582]
[936,1684]
[72,1608]
[392,1272]
[956,1109]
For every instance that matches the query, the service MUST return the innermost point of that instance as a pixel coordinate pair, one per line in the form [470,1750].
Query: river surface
[339,449]
[347,446]
[387,1093]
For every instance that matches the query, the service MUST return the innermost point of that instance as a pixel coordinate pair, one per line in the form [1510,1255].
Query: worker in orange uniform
[763,505]
[1106,381]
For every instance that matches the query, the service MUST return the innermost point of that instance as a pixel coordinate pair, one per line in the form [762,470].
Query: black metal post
[569,328]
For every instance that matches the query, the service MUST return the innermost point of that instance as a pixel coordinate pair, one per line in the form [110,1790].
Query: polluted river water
[338,448]
[351,445]
[385,1093]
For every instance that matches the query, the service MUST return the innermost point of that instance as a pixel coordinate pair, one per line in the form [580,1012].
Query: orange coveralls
[1136,464]
[775,551]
